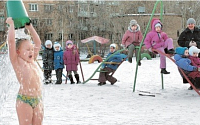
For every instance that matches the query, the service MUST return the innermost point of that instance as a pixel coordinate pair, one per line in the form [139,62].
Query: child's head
[25,49]
[56,46]
[158,27]
[194,51]
[133,25]
[69,44]
[112,47]
[182,51]
[48,44]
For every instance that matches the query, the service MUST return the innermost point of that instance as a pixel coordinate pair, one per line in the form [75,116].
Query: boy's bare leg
[38,114]
[24,112]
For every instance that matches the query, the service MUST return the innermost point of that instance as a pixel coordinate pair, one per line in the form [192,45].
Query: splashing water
[19,33]
[7,79]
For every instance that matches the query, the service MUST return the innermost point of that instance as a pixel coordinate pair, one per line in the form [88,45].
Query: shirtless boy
[22,56]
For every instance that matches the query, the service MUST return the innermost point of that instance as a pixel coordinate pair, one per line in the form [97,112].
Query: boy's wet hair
[19,41]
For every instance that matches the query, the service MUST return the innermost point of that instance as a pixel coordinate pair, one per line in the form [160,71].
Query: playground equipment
[16,10]
[95,39]
[97,70]
[167,55]
[182,72]
[141,44]
[95,58]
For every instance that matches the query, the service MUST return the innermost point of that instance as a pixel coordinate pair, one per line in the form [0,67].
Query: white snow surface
[90,104]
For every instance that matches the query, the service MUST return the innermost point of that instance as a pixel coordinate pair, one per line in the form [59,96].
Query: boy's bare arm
[11,40]
[36,39]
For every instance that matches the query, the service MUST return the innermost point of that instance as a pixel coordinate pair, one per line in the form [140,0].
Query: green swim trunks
[32,101]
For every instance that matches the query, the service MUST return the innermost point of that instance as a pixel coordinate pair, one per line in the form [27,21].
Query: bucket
[16,10]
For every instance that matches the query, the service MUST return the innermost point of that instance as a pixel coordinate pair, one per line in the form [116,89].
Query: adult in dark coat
[48,59]
[190,36]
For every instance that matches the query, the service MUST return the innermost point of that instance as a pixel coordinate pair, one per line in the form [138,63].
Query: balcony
[87,14]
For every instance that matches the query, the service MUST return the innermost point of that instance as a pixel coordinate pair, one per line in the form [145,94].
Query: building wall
[104,18]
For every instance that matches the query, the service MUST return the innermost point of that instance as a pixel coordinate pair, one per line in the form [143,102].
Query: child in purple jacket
[71,60]
[132,38]
[157,39]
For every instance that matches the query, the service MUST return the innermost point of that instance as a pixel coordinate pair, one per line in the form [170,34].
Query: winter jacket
[58,60]
[153,39]
[187,35]
[195,61]
[48,58]
[185,64]
[132,37]
[71,59]
[114,58]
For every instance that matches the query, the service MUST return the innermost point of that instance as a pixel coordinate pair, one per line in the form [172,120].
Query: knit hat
[193,49]
[191,21]
[181,50]
[69,42]
[133,22]
[48,42]
[113,45]
[158,25]
[56,44]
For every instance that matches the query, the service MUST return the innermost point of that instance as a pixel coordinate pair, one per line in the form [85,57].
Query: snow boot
[190,88]
[46,81]
[139,63]
[197,82]
[164,71]
[77,78]
[101,83]
[130,59]
[71,79]
[50,81]
[112,83]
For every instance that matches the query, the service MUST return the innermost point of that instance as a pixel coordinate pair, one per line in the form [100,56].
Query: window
[48,36]
[1,23]
[48,8]
[70,36]
[60,7]
[60,36]
[34,22]
[33,7]
[141,9]
[71,8]
[49,21]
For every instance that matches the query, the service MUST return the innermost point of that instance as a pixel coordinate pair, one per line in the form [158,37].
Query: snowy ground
[89,104]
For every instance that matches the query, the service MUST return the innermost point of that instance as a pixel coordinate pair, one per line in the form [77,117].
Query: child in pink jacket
[71,60]
[157,39]
[132,38]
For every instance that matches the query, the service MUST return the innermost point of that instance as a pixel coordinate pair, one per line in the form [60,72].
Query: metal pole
[62,33]
[144,37]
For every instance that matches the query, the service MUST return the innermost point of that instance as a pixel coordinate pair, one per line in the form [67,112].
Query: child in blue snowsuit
[109,68]
[182,61]
[58,62]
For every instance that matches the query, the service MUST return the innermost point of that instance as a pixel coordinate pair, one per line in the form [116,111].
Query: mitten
[192,43]
[198,69]
[124,47]
[150,49]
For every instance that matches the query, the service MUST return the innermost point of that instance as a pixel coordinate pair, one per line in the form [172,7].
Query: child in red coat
[132,38]
[71,60]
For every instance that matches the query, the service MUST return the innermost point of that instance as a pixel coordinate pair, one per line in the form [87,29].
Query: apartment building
[2,24]
[77,20]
